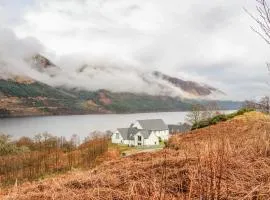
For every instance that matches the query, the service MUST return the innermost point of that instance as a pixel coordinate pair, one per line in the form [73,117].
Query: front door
[139,140]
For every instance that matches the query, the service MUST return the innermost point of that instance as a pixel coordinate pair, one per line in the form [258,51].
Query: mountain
[25,96]
[114,78]
[36,98]
[41,62]
[188,86]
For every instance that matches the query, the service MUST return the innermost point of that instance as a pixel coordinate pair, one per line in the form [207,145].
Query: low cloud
[78,71]
[208,42]
[14,53]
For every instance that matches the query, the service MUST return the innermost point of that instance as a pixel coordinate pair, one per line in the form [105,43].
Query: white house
[142,132]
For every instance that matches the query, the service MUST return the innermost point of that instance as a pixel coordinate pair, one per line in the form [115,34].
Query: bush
[219,118]
[7,147]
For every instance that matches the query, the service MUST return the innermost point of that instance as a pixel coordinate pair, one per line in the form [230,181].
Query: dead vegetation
[230,160]
[34,160]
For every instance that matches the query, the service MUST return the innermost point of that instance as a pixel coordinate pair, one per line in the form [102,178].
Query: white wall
[128,142]
[116,140]
[164,135]
[136,139]
[152,140]
[120,140]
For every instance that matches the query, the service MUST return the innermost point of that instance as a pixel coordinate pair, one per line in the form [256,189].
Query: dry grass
[230,160]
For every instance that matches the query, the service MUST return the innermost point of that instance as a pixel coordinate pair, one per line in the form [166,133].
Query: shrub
[7,147]
[29,159]
[219,118]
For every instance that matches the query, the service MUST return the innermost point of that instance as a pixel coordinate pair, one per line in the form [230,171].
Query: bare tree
[262,19]
[265,104]
[211,109]
[195,115]
[249,104]
[75,140]
[262,105]
[263,30]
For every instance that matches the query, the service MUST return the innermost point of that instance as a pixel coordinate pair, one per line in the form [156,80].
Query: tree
[263,20]
[75,140]
[195,115]
[211,109]
[249,104]
[264,104]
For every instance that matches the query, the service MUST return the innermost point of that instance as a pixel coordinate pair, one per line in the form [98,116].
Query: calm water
[81,125]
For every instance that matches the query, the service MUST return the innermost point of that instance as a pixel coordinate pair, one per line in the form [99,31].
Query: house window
[117,136]
[139,138]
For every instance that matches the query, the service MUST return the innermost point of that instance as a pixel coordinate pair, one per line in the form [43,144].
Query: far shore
[82,114]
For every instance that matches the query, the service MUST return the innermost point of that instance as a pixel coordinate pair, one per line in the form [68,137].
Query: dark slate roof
[153,124]
[179,128]
[145,134]
[123,132]
[128,133]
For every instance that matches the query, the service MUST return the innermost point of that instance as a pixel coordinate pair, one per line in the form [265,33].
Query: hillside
[27,98]
[230,160]
[48,89]
[188,86]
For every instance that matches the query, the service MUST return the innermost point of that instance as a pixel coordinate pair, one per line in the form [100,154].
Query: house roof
[128,133]
[145,134]
[179,128]
[153,124]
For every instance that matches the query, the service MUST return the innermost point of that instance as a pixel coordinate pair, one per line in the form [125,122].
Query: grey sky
[205,41]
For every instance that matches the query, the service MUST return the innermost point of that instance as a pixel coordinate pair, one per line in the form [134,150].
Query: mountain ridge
[92,73]
[26,96]
[33,99]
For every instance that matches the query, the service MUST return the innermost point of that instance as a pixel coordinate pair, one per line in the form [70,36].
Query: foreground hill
[24,97]
[230,160]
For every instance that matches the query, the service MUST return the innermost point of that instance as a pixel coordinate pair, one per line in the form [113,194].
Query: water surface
[81,125]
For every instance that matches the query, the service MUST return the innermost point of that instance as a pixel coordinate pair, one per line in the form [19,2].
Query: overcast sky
[205,41]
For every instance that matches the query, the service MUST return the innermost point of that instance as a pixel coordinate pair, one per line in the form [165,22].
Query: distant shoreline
[83,114]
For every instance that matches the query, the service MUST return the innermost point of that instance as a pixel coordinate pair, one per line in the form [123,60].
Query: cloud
[14,52]
[73,71]
[208,42]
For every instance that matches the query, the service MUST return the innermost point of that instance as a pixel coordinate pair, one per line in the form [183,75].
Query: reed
[230,160]
[48,158]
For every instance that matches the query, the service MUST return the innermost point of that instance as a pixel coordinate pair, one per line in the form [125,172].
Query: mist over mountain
[35,80]
[93,77]
[94,73]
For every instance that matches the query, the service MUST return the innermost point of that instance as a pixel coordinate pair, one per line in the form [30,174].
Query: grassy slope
[230,160]
[128,102]
[44,99]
